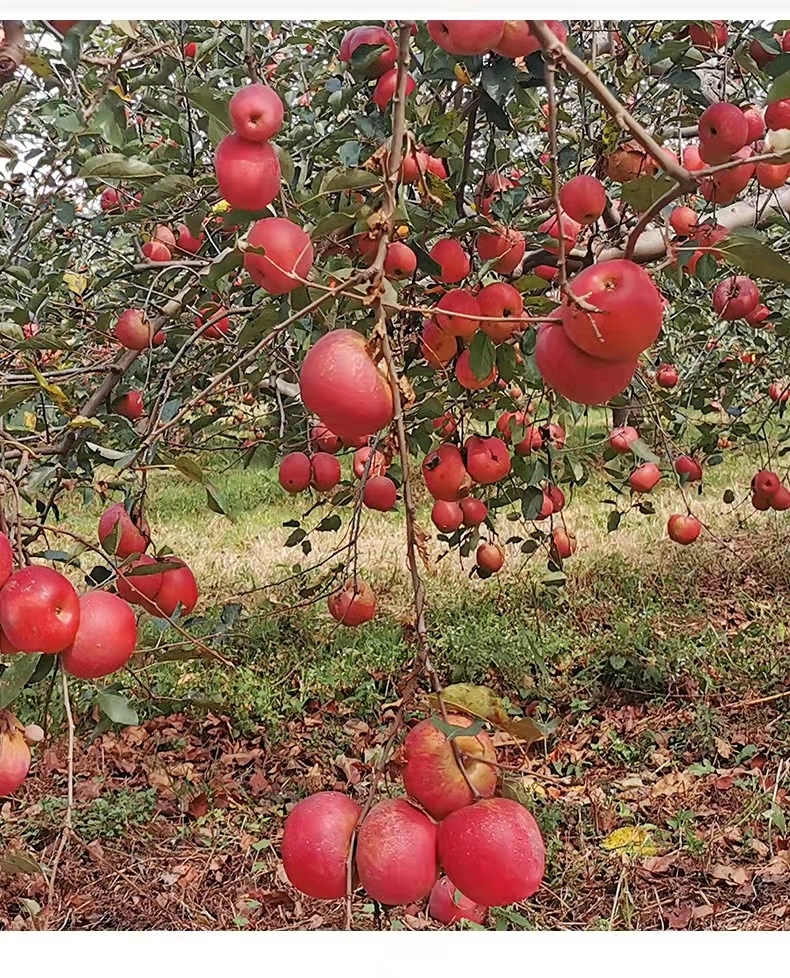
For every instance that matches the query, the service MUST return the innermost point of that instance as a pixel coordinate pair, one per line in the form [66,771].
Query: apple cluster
[490,848]
[93,634]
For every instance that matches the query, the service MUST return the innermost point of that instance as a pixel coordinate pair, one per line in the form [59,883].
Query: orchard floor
[660,788]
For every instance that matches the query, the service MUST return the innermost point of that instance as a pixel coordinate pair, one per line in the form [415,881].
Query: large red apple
[39,610]
[129,405]
[295,472]
[432,776]
[134,587]
[342,385]
[105,639]
[446,516]
[14,754]
[256,113]
[723,130]
[386,86]
[686,465]
[467,378]
[437,346]
[396,853]
[574,373]
[630,313]
[316,843]
[287,258]
[248,173]
[645,478]
[507,247]
[325,471]
[493,852]
[583,198]
[458,301]
[735,297]
[452,259]
[503,309]
[683,529]
[380,494]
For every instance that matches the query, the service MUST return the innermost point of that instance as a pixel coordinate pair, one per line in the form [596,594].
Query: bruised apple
[448,905]
[353,604]
[445,474]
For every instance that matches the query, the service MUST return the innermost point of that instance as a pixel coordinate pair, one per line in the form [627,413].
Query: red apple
[380,494]
[317,841]
[474,511]
[432,776]
[256,113]
[105,639]
[467,378]
[119,534]
[683,529]
[129,405]
[487,459]
[645,478]
[445,473]
[295,472]
[325,471]
[490,557]
[503,306]
[493,852]
[354,604]
[396,853]
[448,905]
[133,330]
[466,37]
[248,173]
[437,346]
[446,516]
[458,301]
[39,610]
[287,257]
[583,198]
[452,258]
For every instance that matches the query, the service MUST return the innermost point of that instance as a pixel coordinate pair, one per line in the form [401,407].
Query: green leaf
[38,64]
[506,361]
[352,180]
[115,166]
[15,678]
[16,397]
[336,221]
[425,263]
[190,468]
[756,258]
[451,732]
[780,88]
[216,108]
[643,192]
[168,188]
[216,500]
[482,355]
[531,502]
[641,450]
[494,112]
[614,520]
[117,708]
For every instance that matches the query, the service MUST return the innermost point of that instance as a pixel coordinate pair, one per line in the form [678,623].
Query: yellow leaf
[56,393]
[75,282]
[480,701]
[632,840]
[81,422]
[30,420]
[462,75]
[120,93]
[220,207]
[38,65]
